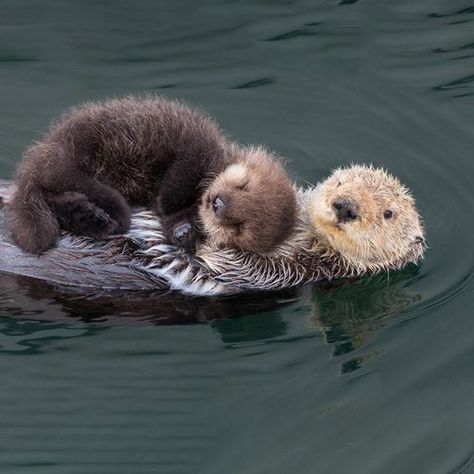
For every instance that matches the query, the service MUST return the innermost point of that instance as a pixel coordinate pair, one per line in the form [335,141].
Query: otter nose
[218,205]
[345,210]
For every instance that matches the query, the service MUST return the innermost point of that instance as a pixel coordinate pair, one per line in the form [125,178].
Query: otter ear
[418,246]
[416,249]
[419,239]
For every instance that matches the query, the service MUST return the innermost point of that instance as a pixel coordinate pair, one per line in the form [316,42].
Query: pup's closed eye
[243,186]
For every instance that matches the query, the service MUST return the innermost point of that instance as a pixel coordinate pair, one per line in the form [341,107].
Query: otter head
[251,205]
[368,217]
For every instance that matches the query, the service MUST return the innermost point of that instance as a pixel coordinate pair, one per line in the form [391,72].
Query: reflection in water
[34,337]
[349,312]
[346,312]
[34,298]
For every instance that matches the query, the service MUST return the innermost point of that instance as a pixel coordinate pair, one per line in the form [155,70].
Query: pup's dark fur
[103,156]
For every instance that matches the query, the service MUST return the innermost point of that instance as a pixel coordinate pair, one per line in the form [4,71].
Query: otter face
[369,217]
[251,205]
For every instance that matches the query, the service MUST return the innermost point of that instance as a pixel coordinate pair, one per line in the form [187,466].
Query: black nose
[345,210]
[218,205]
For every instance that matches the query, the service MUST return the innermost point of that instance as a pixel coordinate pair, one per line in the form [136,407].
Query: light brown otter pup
[153,152]
[249,202]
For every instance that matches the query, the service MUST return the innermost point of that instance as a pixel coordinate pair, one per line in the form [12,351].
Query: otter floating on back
[359,221]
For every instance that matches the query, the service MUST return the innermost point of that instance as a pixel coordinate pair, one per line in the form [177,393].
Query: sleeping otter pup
[152,152]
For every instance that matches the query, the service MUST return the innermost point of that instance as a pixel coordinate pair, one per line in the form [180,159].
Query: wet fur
[306,256]
[310,254]
[101,157]
[321,248]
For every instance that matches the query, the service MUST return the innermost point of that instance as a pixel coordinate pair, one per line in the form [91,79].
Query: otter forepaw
[181,232]
[183,235]
[98,224]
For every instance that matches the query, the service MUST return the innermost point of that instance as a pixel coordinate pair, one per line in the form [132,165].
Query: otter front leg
[76,214]
[181,229]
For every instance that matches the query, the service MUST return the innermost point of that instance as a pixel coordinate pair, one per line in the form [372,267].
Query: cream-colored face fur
[383,228]
[258,203]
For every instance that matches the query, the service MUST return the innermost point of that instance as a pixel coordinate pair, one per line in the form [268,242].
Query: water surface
[374,376]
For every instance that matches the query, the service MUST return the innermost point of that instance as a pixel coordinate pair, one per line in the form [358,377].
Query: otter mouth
[328,226]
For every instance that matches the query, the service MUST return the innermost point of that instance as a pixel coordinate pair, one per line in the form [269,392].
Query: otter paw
[78,215]
[179,228]
[181,235]
[181,232]
[98,224]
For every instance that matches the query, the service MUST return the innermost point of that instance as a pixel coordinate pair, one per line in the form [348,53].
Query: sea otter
[330,240]
[154,152]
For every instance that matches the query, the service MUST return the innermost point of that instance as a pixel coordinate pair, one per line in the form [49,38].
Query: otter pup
[152,152]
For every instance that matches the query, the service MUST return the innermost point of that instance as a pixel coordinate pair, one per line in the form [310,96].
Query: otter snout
[346,210]
[218,206]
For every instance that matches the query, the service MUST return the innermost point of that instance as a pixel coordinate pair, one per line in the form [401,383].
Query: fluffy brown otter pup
[101,157]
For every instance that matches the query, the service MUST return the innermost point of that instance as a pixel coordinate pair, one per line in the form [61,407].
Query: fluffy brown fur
[256,194]
[154,152]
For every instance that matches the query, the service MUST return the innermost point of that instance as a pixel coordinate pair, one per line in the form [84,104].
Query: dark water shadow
[346,311]
[349,313]
[47,302]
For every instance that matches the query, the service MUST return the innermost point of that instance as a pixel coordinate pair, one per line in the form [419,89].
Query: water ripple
[465,466]
[265,81]
[306,30]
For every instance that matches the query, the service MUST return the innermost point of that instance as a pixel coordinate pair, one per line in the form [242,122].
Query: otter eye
[243,186]
[388,214]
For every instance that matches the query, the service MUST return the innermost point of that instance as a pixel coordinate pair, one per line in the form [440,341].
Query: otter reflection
[49,302]
[349,312]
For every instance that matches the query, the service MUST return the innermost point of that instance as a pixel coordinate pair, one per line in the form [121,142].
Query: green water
[371,377]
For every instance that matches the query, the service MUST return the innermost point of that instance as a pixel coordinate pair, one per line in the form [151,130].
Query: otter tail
[53,193]
[33,225]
